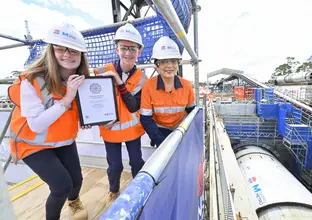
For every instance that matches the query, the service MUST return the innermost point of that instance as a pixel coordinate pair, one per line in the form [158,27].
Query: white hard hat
[130,33]
[166,48]
[66,35]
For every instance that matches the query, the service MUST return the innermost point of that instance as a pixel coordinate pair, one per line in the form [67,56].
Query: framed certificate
[96,101]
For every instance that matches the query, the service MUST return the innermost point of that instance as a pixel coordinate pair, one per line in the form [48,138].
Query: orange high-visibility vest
[167,108]
[23,141]
[129,127]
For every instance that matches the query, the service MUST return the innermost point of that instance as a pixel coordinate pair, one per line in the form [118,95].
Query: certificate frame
[96,84]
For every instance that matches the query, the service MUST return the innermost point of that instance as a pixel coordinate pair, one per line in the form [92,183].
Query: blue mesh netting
[100,45]
[183,9]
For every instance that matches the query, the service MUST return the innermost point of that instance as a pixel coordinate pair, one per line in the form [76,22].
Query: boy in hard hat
[128,82]
[166,98]
[44,123]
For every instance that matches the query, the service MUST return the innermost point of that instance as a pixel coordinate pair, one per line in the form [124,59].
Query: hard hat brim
[131,40]
[166,57]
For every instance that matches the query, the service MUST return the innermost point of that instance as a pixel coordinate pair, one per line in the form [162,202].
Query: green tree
[291,61]
[286,68]
[305,67]
[283,69]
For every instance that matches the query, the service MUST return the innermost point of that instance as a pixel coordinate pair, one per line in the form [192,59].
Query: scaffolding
[297,141]
[251,129]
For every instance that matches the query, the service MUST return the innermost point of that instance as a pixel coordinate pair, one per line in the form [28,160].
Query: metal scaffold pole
[196,8]
[168,12]
[5,204]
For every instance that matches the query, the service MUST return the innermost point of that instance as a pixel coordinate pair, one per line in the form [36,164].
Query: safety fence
[171,183]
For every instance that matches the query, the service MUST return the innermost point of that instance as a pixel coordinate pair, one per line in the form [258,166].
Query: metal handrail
[142,185]
[6,126]
[167,10]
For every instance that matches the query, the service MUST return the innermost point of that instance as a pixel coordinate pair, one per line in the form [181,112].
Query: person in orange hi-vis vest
[45,120]
[128,83]
[166,98]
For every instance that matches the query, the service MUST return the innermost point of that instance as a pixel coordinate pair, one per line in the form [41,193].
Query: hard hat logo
[56,31]
[130,33]
[66,35]
[166,48]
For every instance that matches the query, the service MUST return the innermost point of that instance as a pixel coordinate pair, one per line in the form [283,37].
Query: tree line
[292,66]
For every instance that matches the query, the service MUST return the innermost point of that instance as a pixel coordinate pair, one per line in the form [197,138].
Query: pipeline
[294,79]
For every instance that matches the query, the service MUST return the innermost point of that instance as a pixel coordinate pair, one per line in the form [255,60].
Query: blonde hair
[47,67]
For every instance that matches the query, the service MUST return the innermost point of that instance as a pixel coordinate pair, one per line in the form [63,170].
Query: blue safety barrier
[132,199]
[269,95]
[178,194]
[267,111]
[308,160]
[257,94]
[289,126]
[296,133]
[297,114]
[281,121]
[287,106]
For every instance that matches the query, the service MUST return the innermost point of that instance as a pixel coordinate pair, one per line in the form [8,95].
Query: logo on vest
[95,88]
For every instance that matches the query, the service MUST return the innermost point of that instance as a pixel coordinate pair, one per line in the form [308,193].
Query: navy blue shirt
[161,85]
[132,101]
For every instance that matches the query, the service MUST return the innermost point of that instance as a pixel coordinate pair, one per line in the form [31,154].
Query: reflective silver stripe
[47,97]
[101,69]
[135,120]
[39,140]
[191,105]
[158,125]
[146,112]
[140,84]
[172,109]
[14,159]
